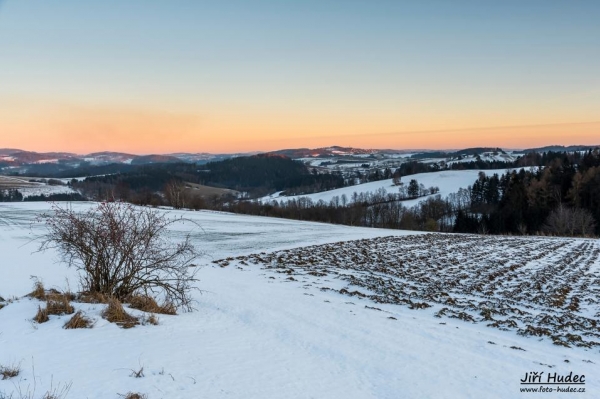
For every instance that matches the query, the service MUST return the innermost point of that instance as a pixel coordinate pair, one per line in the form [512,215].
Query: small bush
[115,313]
[41,315]
[78,321]
[10,371]
[120,249]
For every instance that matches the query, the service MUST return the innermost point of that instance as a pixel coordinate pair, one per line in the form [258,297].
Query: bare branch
[122,250]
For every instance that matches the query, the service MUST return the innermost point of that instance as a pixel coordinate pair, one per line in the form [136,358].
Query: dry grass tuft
[152,319]
[41,315]
[92,297]
[147,304]
[58,304]
[137,374]
[78,321]
[115,313]
[10,371]
[39,292]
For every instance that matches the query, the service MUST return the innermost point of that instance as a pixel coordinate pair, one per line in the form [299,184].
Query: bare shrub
[121,250]
[115,313]
[41,315]
[564,221]
[78,321]
[175,192]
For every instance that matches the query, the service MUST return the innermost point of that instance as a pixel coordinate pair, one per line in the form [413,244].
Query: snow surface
[256,335]
[45,189]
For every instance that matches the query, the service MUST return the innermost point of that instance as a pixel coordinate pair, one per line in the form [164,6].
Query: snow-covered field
[46,189]
[291,325]
[29,188]
[448,181]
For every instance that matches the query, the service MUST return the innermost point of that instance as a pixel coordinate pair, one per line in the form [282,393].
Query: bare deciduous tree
[566,221]
[175,192]
[122,250]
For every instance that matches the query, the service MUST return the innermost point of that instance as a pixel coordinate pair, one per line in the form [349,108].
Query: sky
[151,76]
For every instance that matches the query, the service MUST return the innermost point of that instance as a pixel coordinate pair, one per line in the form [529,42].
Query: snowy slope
[258,334]
[448,181]
[218,235]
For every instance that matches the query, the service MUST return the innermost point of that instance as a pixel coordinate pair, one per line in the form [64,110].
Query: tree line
[11,195]
[562,198]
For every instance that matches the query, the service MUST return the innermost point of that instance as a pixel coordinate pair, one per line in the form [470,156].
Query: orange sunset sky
[159,77]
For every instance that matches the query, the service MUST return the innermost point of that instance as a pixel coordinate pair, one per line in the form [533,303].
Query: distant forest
[255,176]
[560,197]
[558,193]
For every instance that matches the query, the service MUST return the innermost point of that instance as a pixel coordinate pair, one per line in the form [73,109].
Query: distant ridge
[558,148]
[17,161]
[331,151]
[8,151]
[154,158]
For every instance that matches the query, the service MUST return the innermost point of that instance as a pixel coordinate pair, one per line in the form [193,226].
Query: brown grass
[78,321]
[9,372]
[41,315]
[147,304]
[152,319]
[58,304]
[115,313]
[92,297]
[38,291]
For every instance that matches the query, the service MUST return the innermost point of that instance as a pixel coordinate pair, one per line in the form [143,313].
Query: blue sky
[352,68]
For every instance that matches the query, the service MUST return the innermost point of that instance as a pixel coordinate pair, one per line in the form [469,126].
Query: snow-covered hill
[448,181]
[260,333]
